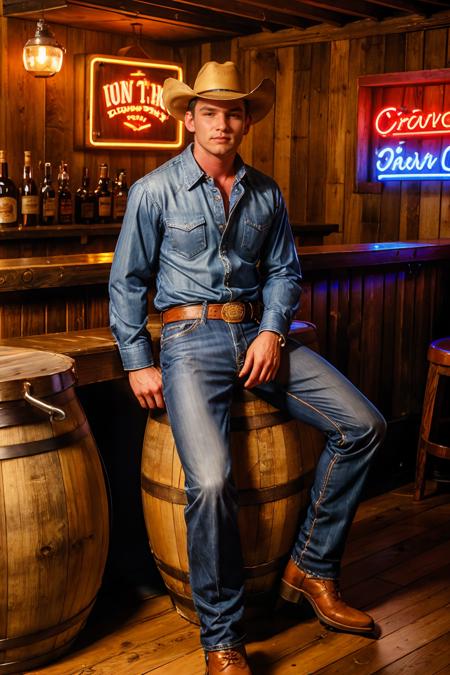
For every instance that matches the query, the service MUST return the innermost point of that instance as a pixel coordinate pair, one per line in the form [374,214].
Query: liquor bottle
[29,197]
[85,201]
[120,196]
[103,197]
[8,195]
[47,202]
[65,205]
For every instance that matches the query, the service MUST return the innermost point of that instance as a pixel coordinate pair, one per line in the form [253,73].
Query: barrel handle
[55,413]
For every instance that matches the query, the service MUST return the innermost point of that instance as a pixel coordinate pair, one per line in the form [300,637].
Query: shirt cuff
[275,322]
[137,356]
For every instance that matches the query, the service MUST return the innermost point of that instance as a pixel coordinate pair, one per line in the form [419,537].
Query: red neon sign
[392,121]
[125,106]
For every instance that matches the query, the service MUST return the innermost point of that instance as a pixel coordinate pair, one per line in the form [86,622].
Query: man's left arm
[280,280]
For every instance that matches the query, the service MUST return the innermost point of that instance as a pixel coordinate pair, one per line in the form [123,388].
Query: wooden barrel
[53,510]
[274,459]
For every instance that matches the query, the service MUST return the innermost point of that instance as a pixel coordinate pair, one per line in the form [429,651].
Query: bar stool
[439,360]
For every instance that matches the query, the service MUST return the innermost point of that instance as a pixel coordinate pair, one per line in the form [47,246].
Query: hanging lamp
[42,54]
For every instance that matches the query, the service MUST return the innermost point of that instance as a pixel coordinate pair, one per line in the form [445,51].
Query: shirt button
[217,198]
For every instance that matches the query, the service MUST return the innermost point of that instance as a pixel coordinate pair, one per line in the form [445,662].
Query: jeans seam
[322,414]
[316,506]
[236,355]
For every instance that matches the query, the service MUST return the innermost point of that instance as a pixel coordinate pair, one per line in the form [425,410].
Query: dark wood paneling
[375,325]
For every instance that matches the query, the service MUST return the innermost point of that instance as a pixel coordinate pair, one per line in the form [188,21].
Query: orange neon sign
[395,122]
[125,105]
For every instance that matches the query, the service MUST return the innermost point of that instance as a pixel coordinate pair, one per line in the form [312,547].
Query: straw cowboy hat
[218,82]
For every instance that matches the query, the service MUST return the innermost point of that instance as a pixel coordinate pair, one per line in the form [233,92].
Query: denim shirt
[175,227]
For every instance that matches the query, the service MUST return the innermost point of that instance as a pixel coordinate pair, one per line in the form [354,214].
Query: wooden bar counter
[376,307]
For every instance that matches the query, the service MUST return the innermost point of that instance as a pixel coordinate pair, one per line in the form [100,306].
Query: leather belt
[231,312]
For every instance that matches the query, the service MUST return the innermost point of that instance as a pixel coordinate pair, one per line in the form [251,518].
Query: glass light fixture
[42,54]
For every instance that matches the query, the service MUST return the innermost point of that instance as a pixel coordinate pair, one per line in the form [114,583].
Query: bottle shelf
[59,231]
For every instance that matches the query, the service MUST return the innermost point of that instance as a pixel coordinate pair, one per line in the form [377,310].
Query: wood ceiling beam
[289,7]
[413,7]
[358,29]
[230,8]
[360,8]
[169,13]
[31,6]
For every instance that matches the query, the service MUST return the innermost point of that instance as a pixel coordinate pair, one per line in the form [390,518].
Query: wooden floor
[397,566]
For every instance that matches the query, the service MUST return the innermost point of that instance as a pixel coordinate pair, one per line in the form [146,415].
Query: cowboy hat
[218,82]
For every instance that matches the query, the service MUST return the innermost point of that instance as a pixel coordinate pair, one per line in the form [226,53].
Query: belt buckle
[233,312]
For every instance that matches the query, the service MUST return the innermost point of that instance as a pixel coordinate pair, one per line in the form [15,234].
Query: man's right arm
[135,260]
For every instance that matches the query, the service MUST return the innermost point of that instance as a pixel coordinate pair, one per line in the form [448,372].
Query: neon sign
[125,106]
[399,163]
[408,159]
[393,121]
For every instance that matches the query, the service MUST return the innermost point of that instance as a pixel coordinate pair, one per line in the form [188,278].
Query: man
[216,234]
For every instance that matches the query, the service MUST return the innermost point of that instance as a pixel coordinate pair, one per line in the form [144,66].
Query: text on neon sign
[395,163]
[136,100]
[392,121]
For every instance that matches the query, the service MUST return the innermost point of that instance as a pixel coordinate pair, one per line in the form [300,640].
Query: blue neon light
[401,163]
[415,176]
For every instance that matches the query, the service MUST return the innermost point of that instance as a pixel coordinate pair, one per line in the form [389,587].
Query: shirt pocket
[187,235]
[253,236]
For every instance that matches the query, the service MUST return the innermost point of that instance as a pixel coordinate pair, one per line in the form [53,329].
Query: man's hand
[146,384]
[262,359]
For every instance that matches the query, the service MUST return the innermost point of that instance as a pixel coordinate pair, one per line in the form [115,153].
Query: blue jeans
[200,361]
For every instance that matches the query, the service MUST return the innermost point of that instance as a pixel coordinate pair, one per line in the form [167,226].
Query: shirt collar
[193,173]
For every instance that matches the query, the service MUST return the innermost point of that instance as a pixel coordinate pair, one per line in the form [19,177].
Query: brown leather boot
[228,662]
[324,597]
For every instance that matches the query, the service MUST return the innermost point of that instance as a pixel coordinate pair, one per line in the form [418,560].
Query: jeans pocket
[176,329]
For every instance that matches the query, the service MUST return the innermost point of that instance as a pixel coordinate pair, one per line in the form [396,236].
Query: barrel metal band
[25,665]
[43,385]
[174,495]
[15,413]
[183,601]
[251,572]
[44,445]
[243,423]
[32,638]
[262,421]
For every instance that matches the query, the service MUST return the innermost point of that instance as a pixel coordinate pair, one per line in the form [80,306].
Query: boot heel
[289,593]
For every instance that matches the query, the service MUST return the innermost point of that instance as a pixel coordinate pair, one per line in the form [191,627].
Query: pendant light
[42,54]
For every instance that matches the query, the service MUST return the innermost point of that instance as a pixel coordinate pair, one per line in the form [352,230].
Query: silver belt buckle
[233,312]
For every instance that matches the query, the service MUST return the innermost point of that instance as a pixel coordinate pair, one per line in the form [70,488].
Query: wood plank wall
[308,143]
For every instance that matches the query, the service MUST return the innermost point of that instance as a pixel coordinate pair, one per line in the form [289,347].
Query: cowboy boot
[231,661]
[324,597]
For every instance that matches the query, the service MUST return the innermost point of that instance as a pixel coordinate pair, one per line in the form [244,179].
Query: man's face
[218,126]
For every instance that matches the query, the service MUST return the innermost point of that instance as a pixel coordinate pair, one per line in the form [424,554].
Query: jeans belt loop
[203,317]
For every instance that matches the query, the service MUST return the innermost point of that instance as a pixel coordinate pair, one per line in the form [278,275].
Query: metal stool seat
[439,366]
